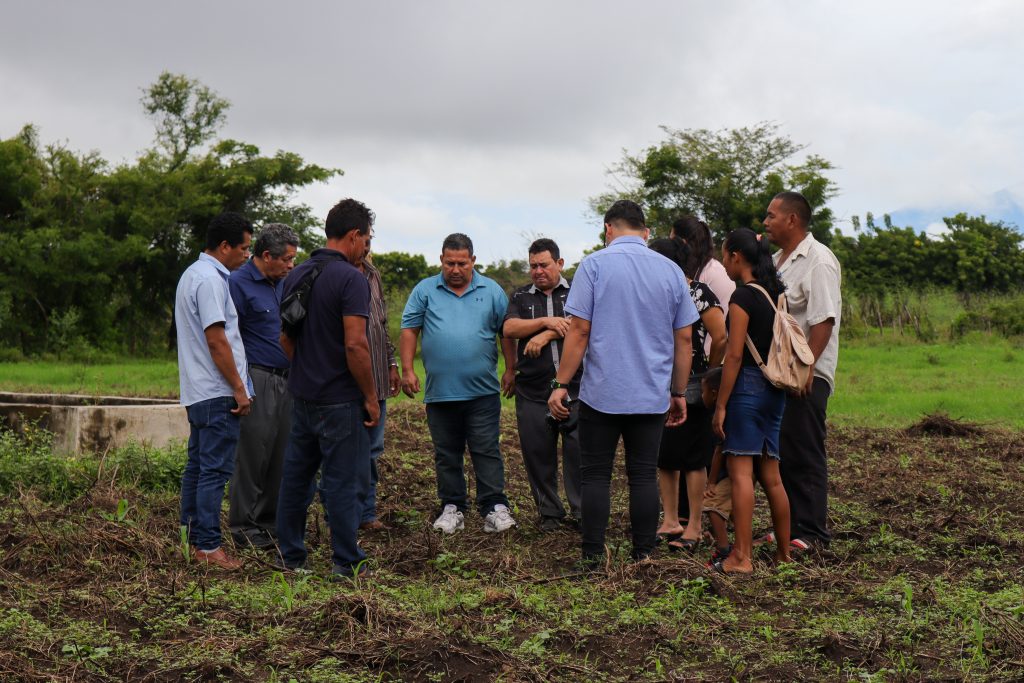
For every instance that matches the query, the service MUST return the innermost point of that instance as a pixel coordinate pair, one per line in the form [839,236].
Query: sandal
[719,555]
[719,568]
[687,545]
[669,538]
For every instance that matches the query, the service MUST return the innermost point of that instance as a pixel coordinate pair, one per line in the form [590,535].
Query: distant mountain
[1006,205]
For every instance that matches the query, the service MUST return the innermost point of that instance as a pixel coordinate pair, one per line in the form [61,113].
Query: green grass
[886,382]
[883,381]
[135,377]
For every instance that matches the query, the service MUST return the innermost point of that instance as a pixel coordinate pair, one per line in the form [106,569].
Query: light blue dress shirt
[635,299]
[203,299]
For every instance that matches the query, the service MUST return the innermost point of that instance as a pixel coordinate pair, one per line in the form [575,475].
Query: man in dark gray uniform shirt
[537,319]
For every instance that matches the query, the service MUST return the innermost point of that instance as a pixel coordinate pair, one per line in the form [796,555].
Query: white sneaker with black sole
[450,521]
[498,520]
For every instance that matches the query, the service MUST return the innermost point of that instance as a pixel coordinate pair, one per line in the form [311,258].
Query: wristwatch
[555,384]
[678,394]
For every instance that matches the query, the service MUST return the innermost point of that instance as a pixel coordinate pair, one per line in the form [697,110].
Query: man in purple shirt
[631,315]
[256,290]
[333,394]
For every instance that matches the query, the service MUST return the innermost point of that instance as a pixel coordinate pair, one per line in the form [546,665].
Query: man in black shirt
[536,318]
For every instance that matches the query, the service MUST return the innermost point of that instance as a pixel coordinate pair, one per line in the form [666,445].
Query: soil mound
[941,424]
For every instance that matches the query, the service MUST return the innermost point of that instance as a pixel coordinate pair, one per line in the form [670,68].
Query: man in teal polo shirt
[459,314]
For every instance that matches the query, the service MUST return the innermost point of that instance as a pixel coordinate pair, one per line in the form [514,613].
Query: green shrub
[27,461]
[1005,317]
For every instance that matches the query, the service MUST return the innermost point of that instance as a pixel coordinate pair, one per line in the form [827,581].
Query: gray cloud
[437,109]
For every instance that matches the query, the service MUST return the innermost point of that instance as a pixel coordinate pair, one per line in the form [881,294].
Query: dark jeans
[212,442]
[376,435]
[257,479]
[804,466]
[599,437]
[539,443]
[331,438]
[475,423]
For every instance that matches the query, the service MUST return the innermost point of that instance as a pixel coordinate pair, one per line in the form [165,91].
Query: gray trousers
[257,477]
[540,456]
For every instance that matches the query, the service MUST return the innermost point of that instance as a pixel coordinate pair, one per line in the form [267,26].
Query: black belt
[280,372]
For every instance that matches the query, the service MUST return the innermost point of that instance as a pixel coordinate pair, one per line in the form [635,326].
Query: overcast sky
[499,119]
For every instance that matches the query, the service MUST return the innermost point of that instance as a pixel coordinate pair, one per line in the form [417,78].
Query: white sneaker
[498,520]
[450,520]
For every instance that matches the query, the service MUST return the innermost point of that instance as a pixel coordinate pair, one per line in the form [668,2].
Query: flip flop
[669,538]
[719,567]
[687,545]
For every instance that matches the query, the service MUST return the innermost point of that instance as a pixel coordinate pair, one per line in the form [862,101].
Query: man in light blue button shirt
[460,313]
[632,313]
[215,386]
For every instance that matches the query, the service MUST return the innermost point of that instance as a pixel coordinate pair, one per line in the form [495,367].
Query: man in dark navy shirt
[331,382]
[536,317]
[256,290]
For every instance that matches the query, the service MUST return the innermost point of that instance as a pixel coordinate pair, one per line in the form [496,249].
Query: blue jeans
[330,438]
[376,448]
[753,415]
[212,443]
[475,423]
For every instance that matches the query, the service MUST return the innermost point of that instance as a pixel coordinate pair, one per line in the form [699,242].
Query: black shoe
[573,523]
[550,524]
[353,574]
[281,565]
[260,539]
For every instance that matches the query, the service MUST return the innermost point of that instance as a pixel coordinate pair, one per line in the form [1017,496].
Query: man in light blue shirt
[632,314]
[460,313]
[215,387]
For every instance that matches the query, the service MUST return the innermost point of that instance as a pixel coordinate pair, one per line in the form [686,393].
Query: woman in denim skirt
[748,413]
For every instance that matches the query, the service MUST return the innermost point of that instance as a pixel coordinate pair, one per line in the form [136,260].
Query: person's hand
[241,396]
[372,409]
[709,489]
[676,412]
[536,344]
[718,422]
[394,381]
[410,383]
[508,382]
[810,383]
[556,407]
[557,325]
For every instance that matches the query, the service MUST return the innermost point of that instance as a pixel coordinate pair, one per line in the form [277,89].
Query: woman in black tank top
[748,411]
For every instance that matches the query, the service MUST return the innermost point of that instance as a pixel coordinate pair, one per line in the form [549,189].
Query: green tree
[399,271]
[727,177]
[93,253]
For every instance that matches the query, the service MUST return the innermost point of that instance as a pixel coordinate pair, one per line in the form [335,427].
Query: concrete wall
[84,423]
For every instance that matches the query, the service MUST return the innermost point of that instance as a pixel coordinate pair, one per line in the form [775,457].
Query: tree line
[91,252]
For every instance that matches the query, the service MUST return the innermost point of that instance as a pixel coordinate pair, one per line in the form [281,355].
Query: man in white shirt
[812,276]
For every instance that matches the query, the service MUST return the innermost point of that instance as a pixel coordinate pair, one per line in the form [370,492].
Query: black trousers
[540,456]
[599,437]
[804,467]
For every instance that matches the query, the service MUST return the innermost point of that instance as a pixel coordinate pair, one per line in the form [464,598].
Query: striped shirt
[382,351]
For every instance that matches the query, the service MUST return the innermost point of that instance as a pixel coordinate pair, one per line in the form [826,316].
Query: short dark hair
[796,203]
[346,216]
[628,212]
[275,238]
[545,244]
[229,227]
[457,242]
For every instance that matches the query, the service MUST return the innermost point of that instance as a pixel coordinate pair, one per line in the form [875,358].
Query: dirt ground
[924,581]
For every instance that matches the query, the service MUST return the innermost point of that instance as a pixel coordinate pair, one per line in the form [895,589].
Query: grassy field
[924,581]
[884,381]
